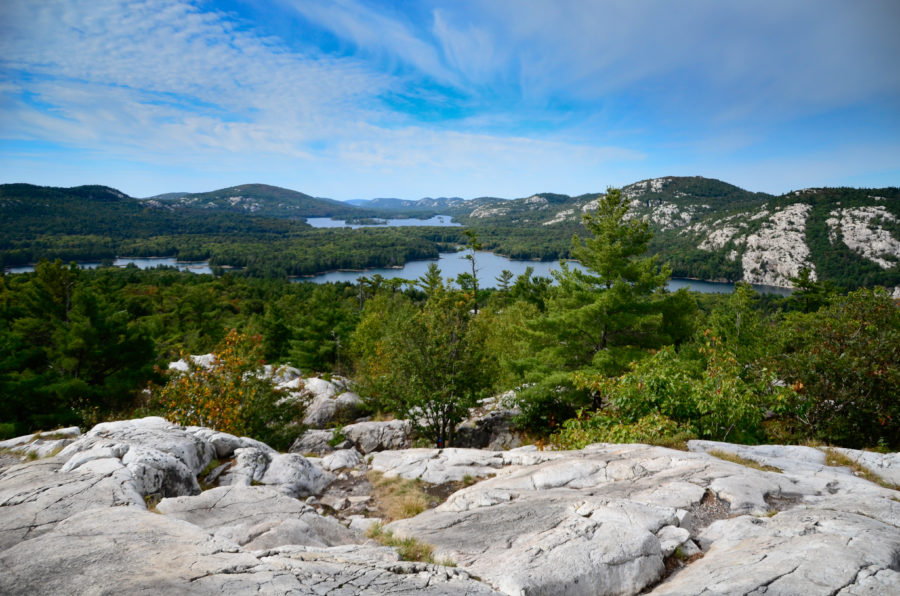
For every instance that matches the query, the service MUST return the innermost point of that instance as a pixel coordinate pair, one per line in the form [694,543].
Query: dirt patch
[710,509]
[778,503]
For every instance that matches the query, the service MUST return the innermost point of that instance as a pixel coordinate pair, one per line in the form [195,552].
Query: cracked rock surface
[604,519]
[608,519]
[79,523]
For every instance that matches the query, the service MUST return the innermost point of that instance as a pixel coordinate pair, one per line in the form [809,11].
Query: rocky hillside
[145,505]
[713,230]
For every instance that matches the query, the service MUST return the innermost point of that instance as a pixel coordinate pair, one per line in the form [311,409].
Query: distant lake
[438,220]
[141,263]
[490,266]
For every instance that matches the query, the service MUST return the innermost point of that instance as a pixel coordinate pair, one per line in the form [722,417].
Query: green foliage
[602,318]
[597,427]
[845,362]
[739,324]
[706,396]
[230,395]
[810,295]
[421,362]
[68,350]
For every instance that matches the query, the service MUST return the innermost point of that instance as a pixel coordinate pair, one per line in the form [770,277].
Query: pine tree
[607,311]
[603,315]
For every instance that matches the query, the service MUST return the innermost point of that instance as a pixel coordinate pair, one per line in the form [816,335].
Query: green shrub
[230,396]
[704,397]
[653,429]
[844,361]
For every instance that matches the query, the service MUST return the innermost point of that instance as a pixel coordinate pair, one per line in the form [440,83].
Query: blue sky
[350,99]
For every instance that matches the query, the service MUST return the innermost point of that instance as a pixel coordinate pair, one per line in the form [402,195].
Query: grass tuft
[398,498]
[737,459]
[409,549]
[838,459]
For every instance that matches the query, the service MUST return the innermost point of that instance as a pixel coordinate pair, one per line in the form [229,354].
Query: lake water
[442,221]
[140,262]
[451,264]
[490,266]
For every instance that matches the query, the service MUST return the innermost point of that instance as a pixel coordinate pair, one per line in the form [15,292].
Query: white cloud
[550,90]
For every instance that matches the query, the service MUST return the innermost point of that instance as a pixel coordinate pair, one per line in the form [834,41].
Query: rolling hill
[262,200]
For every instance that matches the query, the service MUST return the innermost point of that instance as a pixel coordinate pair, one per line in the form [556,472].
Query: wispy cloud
[566,95]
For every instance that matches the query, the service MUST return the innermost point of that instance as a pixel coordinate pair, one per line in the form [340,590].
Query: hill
[263,200]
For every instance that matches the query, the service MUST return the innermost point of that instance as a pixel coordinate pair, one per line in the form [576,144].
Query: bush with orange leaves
[230,395]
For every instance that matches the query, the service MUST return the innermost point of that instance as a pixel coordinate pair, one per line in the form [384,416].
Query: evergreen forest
[599,354]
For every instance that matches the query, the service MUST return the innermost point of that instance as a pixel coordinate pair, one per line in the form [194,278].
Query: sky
[360,99]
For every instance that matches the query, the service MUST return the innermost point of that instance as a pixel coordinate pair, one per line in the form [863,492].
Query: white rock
[672,537]
[343,458]
[778,250]
[369,437]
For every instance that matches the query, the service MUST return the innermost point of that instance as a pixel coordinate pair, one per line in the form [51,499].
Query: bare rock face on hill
[121,509]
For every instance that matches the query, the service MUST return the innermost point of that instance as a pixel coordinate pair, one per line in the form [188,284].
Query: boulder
[280,374]
[490,425]
[325,401]
[343,458]
[291,473]
[325,410]
[369,437]
[313,441]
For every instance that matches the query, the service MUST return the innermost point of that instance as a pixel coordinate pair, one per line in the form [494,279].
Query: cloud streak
[568,95]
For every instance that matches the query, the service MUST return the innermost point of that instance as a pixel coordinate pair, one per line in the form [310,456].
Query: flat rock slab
[608,519]
[125,550]
[258,517]
[602,521]
[34,497]
[368,437]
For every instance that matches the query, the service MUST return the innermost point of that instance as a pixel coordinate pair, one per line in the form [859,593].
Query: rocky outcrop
[257,517]
[604,520]
[40,445]
[865,231]
[778,251]
[608,519]
[490,425]
[314,441]
[79,523]
[326,401]
[126,550]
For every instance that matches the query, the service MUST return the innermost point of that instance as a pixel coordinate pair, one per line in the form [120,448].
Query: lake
[140,262]
[451,264]
[442,221]
[490,266]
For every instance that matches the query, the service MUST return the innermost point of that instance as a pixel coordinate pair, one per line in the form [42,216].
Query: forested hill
[704,228]
[260,199]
